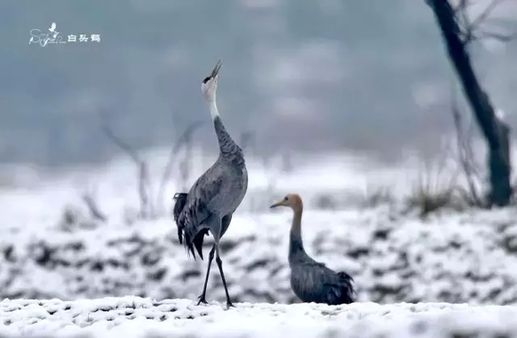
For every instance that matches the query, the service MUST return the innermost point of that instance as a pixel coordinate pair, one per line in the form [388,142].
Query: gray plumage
[312,281]
[214,197]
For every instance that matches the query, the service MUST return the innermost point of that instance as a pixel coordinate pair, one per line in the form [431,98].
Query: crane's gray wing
[197,210]
[337,286]
[324,285]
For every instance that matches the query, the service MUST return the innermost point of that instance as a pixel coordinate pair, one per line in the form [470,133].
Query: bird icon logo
[52,29]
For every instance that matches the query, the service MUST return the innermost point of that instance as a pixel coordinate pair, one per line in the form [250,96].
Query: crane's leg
[220,266]
[210,259]
[218,229]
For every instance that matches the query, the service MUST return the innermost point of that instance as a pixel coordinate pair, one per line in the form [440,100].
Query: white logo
[55,37]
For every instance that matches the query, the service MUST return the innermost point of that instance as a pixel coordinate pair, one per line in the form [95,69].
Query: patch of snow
[134,317]
[500,114]
[449,257]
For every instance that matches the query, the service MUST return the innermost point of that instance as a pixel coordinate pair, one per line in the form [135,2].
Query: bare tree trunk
[495,131]
[500,168]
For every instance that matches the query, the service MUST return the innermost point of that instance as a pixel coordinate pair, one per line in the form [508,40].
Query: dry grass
[435,189]
[376,196]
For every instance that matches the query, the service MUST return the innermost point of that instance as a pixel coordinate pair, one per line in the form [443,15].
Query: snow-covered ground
[394,256]
[453,258]
[132,317]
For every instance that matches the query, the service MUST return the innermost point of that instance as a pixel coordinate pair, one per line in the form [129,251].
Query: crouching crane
[312,281]
[214,197]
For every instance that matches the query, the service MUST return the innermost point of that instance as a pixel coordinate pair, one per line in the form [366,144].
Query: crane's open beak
[277,204]
[217,67]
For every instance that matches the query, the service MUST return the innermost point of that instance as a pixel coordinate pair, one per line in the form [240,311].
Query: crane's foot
[229,304]
[202,300]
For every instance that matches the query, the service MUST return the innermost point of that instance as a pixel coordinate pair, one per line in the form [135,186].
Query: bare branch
[470,31]
[183,139]
[144,185]
[461,15]
[462,4]
[464,159]
[146,208]
[484,14]
[121,144]
[483,35]
[93,208]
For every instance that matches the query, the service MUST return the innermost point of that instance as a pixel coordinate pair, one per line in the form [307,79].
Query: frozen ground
[450,257]
[393,256]
[453,258]
[132,317]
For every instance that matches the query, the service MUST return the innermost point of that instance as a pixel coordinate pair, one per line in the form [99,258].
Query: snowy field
[52,248]
[132,317]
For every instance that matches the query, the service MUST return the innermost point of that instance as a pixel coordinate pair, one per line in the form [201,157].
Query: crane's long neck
[296,249]
[214,111]
[227,146]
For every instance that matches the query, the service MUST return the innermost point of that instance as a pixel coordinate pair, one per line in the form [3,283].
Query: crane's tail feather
[194,241]
[347,289]
[345,277]
[198,242]
[190,233]
[181,200]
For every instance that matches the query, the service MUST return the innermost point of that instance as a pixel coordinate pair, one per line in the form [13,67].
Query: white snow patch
[134,317]
[449,257]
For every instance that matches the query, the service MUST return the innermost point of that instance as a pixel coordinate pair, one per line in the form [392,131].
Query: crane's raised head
[209,84]
[293,201]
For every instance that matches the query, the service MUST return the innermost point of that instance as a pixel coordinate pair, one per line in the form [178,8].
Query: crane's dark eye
[206,79]
[285,198]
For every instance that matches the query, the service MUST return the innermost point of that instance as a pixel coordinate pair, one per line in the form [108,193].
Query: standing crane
[214,197]
[312,281]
